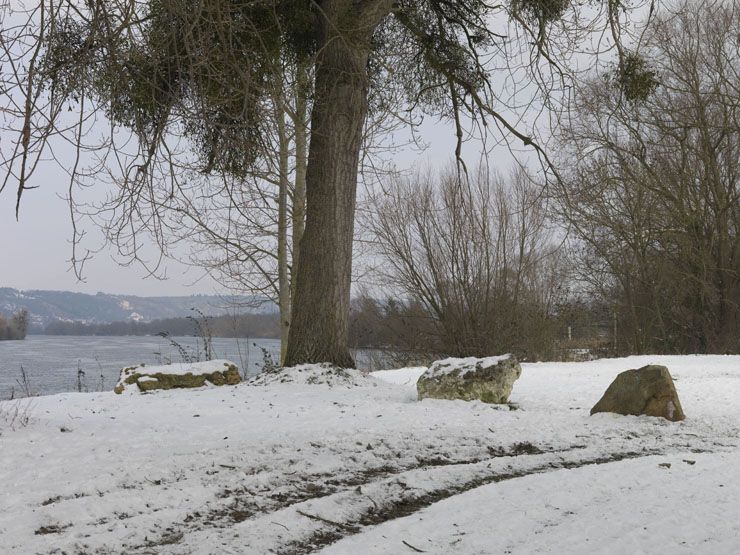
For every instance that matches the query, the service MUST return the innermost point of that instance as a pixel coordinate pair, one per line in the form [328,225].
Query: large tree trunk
[318,332]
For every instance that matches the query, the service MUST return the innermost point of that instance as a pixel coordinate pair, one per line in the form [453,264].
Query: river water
[52,362]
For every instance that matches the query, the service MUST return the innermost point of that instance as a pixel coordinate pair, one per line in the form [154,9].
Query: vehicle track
[409,504]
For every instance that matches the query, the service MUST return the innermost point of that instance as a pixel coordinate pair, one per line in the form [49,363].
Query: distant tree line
[261,326]
[15,327]
[410,333]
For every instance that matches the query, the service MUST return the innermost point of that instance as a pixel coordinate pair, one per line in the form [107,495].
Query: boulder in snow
[487,379]
[648,390]
[183,375]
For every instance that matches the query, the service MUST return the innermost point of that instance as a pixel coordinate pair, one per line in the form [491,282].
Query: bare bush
[24,386]
[15,414]
[478,255]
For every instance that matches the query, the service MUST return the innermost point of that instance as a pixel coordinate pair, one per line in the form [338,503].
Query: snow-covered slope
[298,467]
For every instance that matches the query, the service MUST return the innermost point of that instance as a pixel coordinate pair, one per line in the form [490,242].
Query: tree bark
[318,331]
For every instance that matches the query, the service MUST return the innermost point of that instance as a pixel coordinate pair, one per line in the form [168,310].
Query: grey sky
[36,253]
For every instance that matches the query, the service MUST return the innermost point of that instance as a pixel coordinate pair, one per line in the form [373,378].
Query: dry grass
[15,414]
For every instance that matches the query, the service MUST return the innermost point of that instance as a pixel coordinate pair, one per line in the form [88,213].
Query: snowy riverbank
[362,467]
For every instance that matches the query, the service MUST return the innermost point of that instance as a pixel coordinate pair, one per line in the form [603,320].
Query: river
[52,362]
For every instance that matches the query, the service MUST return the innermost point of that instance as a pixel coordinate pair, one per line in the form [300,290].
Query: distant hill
[49,306]
[255,326]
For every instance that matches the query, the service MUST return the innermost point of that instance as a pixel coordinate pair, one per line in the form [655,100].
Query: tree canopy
[189,86]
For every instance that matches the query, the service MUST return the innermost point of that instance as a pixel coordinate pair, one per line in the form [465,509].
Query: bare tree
[245,230]
[478,254]
[653,193]
[189,86]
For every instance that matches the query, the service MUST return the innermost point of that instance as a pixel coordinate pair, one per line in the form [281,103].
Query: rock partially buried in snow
[487,379]
[645,391]
[175,376]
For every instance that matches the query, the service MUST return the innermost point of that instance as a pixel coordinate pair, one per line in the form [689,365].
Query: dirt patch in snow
[51,529]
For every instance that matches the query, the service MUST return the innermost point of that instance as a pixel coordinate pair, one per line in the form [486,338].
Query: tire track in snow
[153,505]
[285,490]
[407,505]
[245,503]
[309,525]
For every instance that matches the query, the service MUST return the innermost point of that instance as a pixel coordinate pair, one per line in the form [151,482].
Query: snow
[354,463]
[463,365]
[403,376]
[315,374]
[182,368]
[634,506]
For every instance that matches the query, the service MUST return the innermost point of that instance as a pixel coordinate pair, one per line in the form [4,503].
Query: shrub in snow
[646,391]
[487,379]
[184,375]
[15,414]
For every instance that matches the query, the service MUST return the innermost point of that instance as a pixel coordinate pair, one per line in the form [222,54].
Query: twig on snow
[407,544]
[327,521]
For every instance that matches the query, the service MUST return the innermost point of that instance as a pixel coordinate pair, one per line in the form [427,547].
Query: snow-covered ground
[349,463]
